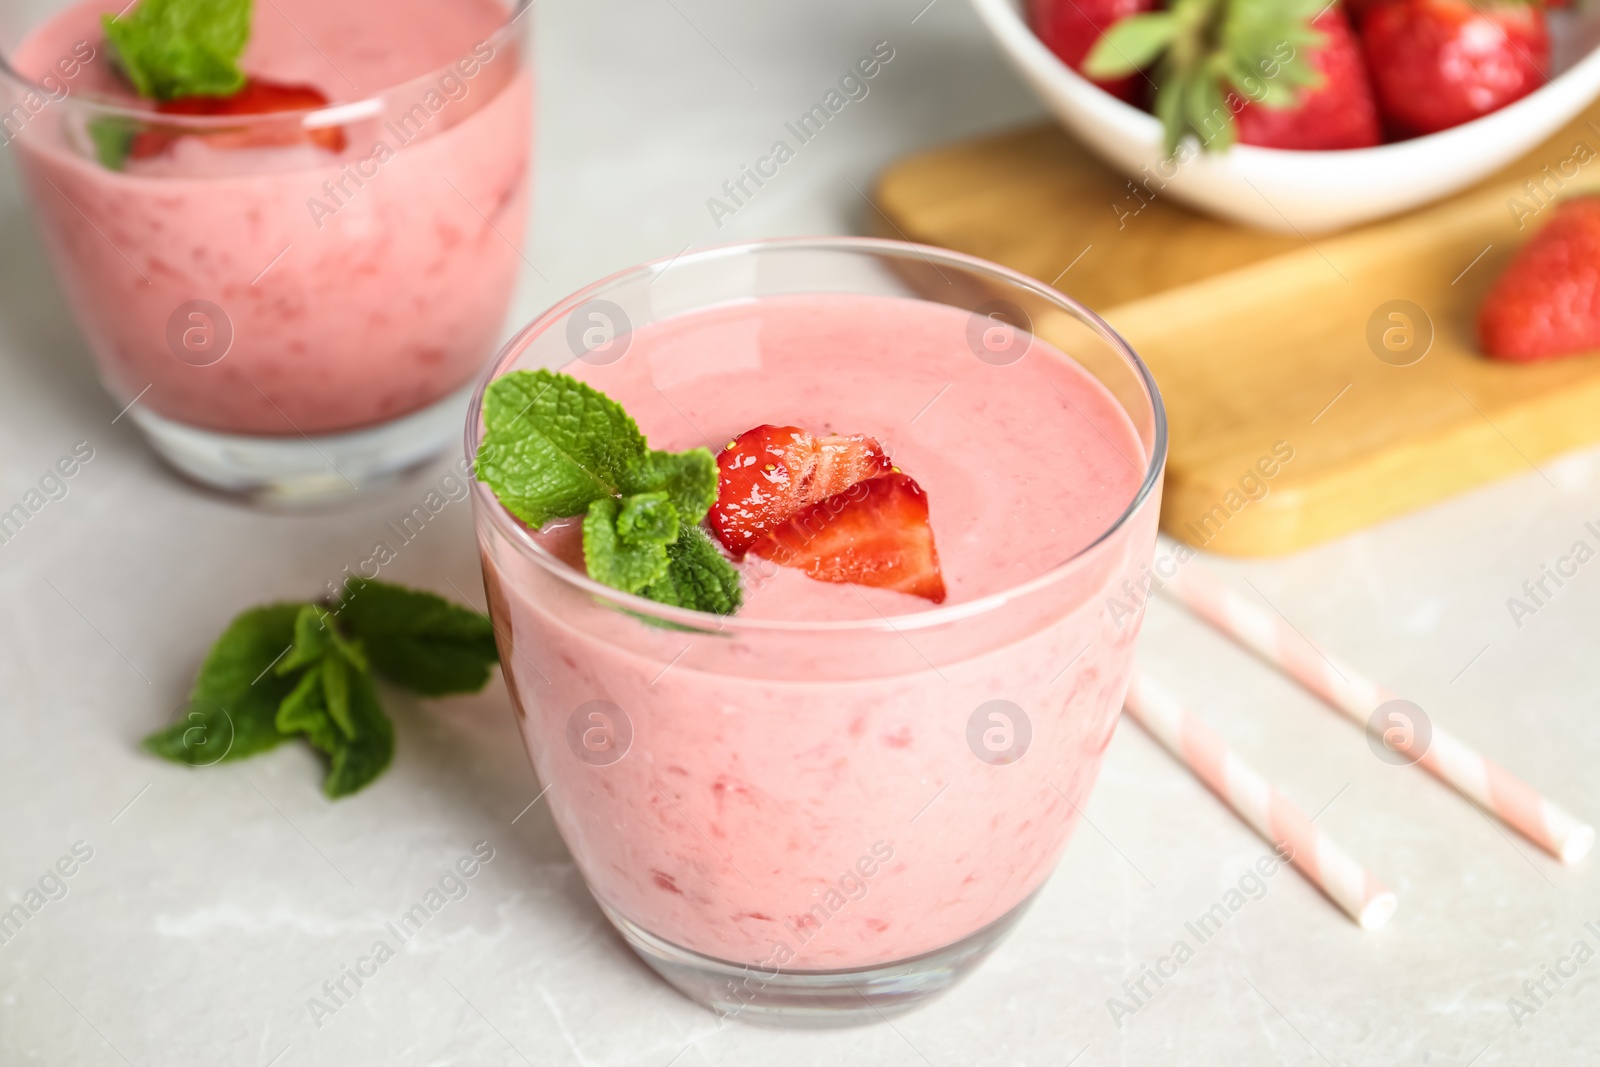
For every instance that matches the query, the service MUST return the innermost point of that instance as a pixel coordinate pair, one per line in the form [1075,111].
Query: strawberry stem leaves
[1212,57]
[1131,45]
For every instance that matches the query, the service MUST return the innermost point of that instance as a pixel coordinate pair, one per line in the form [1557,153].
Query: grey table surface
[215,903]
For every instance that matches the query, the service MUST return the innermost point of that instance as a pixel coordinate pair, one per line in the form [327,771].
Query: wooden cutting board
[1269,346]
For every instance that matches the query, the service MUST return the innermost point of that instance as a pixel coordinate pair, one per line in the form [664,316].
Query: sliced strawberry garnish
[769,473]
[874,533]
[258,97]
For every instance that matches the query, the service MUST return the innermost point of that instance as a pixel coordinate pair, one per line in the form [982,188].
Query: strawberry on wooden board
[770,472]
[1272,73]
[258,97]
[1547,303]
[1338,112]
[1438,63]
[1070,28]
[874,533]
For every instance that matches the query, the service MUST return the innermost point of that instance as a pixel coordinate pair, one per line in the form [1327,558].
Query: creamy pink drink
[839,778]
[291,276]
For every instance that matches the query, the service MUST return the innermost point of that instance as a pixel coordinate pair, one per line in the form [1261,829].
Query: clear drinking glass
[290,305]
[723,783]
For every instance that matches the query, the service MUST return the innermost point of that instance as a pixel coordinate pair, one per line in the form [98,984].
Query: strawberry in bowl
[1072,29]
[1294,75]
[1440,63]
[1264,114]
[1288,76]
[1335,109]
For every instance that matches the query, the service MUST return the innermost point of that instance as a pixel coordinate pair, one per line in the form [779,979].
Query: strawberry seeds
[833,506]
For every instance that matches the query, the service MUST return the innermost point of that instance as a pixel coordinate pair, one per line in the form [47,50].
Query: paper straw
[1274,816]
[1447,757]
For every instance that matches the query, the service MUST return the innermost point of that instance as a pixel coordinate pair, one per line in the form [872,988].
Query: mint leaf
[234,703]
[173,48]
[334,703]
[305,711]
[689,479]
[336,685]
[288,669]
[647,519]
[113,140]
[419,641]
[625,541]
[552,445]
[311,640]
[698,576]
[359,758]
[195,738]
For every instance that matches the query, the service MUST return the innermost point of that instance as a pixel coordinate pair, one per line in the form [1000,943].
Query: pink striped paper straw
[1447,757]
[1274,816]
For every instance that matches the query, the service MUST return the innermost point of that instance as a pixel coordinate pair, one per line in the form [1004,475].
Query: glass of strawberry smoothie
[291,304]
[834,802]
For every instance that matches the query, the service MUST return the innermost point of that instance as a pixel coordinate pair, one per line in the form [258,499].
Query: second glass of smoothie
[833,803]
[291,305]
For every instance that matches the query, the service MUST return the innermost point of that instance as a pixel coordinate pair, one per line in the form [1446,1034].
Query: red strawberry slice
[1547,303]
[258,97]
[769,473]
[1337,113]
[1439,63]
[1070,28]
[874,533]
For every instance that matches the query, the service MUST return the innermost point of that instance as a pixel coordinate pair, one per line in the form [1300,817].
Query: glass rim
[329,115]
[519,535]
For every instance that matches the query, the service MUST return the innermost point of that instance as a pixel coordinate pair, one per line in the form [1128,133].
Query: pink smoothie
[806,797]
[360,286]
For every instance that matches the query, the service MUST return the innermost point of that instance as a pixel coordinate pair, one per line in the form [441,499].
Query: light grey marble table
[213,904]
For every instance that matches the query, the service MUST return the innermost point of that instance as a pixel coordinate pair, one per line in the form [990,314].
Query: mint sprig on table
[173,48]
[306,670]
[555,448]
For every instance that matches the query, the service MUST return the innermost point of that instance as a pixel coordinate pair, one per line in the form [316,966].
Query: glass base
[815,999]
[293,471]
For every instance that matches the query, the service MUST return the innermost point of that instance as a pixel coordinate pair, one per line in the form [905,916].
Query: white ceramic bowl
[1312,191]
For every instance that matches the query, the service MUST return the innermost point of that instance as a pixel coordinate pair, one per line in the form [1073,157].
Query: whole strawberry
[1438,63]
[1070,28]
[1339,112]
[1547,303]
[1272,73]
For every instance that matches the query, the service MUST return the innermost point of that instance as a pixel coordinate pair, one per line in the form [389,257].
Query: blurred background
[215,905]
